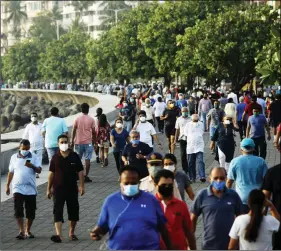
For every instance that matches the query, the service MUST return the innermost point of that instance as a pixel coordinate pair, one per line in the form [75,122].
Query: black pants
[260,147]
[184,162]
[160,124]
[118,160]
[29,202]
[276,240]
[242,128]
[72,204]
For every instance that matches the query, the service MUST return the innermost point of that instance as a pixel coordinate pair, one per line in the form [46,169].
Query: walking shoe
[20,236]
[98,159]
[29,235]
[87,179]
[203,180]
[105,162]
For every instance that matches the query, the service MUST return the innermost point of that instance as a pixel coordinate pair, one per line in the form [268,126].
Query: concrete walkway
[105,182]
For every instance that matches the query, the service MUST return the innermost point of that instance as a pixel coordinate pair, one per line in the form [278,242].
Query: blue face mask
[218,185]
[131,190]
[24,153]
[135,141]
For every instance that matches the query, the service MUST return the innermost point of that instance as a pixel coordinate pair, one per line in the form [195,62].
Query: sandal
[29,235]
[20,236]
[73,237]
[56,239]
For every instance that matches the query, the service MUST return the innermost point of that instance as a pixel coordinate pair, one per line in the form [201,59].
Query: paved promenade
[105,182]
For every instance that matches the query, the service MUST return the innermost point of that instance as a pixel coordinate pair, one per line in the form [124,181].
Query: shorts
[85,150]
[29,202]
[72,204]
[38,154]
[104,144]
[170,130]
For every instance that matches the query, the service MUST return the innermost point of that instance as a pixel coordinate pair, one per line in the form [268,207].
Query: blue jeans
[204,119]
[192,165]
[212,130]
[51,152]
[84,149]
[127,125]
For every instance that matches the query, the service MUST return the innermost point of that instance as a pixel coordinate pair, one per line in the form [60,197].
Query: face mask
[142,119]
[216,106]
[124,104]
[181,97]
[132,99]
[119,125]
[166,191]
[172,105]
[218,185]
[33,119]
[256,114]
[185,114]
[227,122]
[63,147]
[171,168]
[24,152]
[130,190]
[135,141]
[153,170]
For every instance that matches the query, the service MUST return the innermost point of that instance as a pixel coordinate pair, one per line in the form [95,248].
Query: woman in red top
[120,105]
[103,137]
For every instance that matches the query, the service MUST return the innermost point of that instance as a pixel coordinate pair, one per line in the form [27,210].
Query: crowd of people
[149,212]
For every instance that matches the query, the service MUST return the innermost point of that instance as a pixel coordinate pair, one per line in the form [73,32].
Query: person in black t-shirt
[272,187]
[170,115]
[65,168]
[275,113]
[135,154]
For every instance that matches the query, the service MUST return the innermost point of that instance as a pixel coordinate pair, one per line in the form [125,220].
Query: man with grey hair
[135,154]
[241,123]
[194,131]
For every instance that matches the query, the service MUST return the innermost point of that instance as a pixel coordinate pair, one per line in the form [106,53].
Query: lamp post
[58,30]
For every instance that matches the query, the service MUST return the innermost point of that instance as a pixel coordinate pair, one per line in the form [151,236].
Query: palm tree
[80,6]
[78,25]
[16,16]
[110,7]
[55,13]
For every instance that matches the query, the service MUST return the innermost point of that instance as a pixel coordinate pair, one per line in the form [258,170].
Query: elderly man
[133,218]
[247,171]
[219,206]
[155,164]
[135,154]
[180,125]
[195,147]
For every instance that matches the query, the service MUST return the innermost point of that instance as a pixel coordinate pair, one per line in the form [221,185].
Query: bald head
[184,109]
[195,117]
[218,174]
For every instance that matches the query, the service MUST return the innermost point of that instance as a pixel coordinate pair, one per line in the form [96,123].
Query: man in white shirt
[233,96]
[157,95]
[99,89]
[146,130]
[150,117]
[195,147]
[159,108]
[52,86]
[22,169]
[69,87]
[181,122]
[261,101]
[33,133]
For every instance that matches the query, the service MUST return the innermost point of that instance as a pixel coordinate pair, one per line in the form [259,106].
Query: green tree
[78,25]
[65,59]
[226,44]
[55,14]
[21,60]
[16,16]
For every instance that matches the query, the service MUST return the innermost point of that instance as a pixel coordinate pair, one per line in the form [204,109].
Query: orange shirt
[178,216]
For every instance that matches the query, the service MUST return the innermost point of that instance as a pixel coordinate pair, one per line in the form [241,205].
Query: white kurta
[194,133]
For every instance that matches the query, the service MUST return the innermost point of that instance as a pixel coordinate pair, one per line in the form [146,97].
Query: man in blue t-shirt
[181,102]
[240,108]
[256,131]
[132,218]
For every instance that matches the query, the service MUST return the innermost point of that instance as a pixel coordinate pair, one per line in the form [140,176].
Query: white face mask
[124,104]
[171,168]
[142,119]
[119,125]
[227,122]
[181,97]
[33,119]
[63,147]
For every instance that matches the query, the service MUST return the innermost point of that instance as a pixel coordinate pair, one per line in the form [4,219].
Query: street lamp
[116,14]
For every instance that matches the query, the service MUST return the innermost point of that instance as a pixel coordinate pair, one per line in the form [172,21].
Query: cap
[154,157]
[247,145]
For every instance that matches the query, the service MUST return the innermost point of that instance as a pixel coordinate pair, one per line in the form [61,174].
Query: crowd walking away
[156,206]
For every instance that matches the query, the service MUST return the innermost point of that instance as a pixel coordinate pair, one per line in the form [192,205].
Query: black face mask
[165,190]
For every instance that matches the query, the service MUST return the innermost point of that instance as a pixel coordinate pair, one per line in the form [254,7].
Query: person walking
[250,107]
[223,101]
[230,109]
[176,212]
[191,104]
[247,171]
[253,231]
[180,125]
[159,108]
[194,131]
[241,123]
[103,139]
[256,131]
[65,167]
[149,110]
[84,137]
[126,212]
[182,180]
[126,114]
[170,115]
[133,106]
[262,103]
[33,133]
[135,154]
[274,113]
[118,139]
[205,105]
[22,169]
[271,189]
[53,127]
[99,112]
[224,136]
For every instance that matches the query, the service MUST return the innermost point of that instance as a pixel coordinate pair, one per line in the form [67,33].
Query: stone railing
[95,100]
